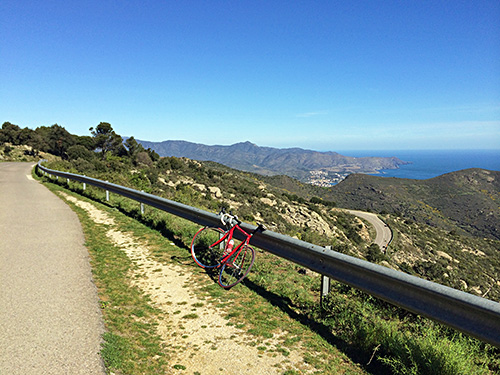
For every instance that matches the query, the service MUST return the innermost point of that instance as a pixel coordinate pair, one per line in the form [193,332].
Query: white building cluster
[324,178]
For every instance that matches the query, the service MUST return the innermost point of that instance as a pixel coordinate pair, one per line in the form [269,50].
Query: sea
[431,163]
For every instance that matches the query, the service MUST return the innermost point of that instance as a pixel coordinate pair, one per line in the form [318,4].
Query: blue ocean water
[431,163]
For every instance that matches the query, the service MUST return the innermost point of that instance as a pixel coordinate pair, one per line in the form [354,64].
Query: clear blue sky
[325,75]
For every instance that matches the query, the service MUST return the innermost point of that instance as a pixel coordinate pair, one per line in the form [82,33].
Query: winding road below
[50,321]
[384,233]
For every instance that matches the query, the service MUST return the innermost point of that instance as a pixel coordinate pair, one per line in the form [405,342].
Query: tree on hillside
[85,141]
[10,133]
[133,147]
[37,143]
[153,155]
[80,152]
[24,136]
[59,140]
[105,139]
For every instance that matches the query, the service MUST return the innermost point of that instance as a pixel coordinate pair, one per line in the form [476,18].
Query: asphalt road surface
[50,321]
[384,234]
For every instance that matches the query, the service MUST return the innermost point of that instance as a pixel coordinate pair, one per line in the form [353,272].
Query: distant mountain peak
[248,143]
[294,162]
[245,145]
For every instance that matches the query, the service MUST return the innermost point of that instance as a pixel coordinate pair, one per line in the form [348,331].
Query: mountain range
[293,162]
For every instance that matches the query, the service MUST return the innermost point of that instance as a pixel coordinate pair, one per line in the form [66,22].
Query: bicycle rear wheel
[203,250]
[237,267]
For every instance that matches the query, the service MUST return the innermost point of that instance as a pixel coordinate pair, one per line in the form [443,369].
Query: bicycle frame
[228,235]
[219,252]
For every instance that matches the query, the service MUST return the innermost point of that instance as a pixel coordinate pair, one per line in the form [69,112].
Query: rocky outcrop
[302,217]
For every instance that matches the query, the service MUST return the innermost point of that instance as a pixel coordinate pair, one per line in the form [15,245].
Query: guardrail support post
[107,195]
[325,287]
[84,186]
[142,206]
[325,284]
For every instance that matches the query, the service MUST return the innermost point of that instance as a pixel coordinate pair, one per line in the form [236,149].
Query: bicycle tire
[202,251]
[237,267]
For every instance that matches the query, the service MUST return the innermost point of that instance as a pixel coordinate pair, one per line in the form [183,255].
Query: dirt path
[194,330]
[50,321]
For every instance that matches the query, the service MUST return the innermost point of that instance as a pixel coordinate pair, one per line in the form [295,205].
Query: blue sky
[324,75]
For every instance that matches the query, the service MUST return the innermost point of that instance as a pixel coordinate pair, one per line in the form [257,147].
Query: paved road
[384,233]
[50,322]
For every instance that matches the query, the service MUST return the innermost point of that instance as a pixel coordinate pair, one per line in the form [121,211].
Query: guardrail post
[84,186]
[325,284]
[325,287]
[142,206]
[107,193]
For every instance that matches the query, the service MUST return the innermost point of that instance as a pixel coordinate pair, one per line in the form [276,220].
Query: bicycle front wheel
[236,267]
[203,250]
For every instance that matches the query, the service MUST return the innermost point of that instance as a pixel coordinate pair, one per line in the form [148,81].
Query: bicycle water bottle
[229,246]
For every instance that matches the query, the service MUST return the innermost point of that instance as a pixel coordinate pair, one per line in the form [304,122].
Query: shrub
[375,254]
[79,152]
[83,165]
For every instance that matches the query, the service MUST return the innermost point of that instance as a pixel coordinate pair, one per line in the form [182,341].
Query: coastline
[426,164]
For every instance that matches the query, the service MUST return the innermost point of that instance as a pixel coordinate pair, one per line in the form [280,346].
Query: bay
[431,163]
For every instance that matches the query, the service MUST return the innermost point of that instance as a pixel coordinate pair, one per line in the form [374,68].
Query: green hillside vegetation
[430,241]
[466,201]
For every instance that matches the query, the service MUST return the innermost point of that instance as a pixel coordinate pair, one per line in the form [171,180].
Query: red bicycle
[214,247]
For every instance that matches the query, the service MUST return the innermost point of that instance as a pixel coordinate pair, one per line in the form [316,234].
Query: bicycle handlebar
[227,219]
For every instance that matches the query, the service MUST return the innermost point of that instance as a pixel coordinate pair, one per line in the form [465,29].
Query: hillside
[467,199]
[294,162]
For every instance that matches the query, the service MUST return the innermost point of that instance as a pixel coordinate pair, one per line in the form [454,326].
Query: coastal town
[324,178]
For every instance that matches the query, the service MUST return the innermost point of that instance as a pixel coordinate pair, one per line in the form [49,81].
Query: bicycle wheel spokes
[236,267]
[204,253]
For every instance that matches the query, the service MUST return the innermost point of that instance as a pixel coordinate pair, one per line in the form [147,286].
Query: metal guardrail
[473,315]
